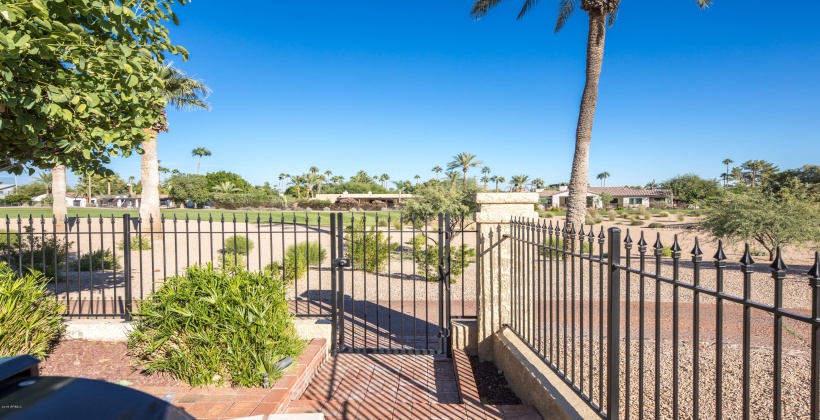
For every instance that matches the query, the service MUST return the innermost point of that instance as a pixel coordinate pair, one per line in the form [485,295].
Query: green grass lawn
[313,218]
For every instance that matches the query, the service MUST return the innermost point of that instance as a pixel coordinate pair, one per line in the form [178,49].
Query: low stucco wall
[534,382]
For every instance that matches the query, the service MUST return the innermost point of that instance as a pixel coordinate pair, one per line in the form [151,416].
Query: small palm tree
[437,169]
[726,162]
[296,180]
[652,185]
[313,170]
[200,151]
[226,187]
[384,178]
[603,176]
[282,177]
[537,183]
[44,178]
[518,181]
[131,185]
[464,161]
[452,176]
[485,179]
[417,177]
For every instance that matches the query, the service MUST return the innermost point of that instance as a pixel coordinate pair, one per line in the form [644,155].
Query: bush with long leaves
[212,327]
[370,250]
[30,319]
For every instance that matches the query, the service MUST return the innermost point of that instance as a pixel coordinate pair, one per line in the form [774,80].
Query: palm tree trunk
[58,189]
[579,178]
[199,162]
[464,180]
[149,203]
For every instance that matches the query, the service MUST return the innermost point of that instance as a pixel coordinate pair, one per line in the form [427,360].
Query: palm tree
[180,92]
[297,180]
[652,185]
[453,177]
[437,169]
[200,151]
[44,178]
[417,177]
[485,179]
[601,13]
[726,162]
[313,170]
[58,190]
[519,181]
[464,161]
[537,183]
[282,177]
[603,176]
[131,185]
[384,178]
[494,178]
[225,187]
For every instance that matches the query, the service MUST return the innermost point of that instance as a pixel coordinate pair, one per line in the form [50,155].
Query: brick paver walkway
[391,386]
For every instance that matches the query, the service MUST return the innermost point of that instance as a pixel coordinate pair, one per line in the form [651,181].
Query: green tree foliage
[30,319]
[369,249]
[44,254]
[756,172]
[212,327]
[432,198]
[363,178]
[770,219]
[216,179]
[253,199]
[100,184]
[807,174]
[79,79]
[187,187]
[690,188]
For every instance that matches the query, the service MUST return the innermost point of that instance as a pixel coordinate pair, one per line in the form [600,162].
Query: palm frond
[613,15]
[565,9]
[704,3]
[528,4]
[481,7]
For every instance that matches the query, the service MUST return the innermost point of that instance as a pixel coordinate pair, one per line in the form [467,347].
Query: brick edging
[464,376]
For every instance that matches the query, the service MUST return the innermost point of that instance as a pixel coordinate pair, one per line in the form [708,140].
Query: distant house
[6,190]
[621,196]
[389,200]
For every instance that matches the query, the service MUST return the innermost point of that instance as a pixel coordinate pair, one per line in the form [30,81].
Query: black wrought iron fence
[104,266]
[642,331]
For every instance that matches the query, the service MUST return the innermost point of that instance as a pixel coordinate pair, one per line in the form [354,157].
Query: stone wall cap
[506,198]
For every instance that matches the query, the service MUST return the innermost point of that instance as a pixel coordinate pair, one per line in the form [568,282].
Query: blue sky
[393,89]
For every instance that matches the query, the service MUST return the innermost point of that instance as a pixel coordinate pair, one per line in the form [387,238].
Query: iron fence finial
[747,256]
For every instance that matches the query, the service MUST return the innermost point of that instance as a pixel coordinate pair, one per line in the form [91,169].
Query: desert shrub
[558,243]
[95,261]
[17,199]
[213,327]
[231,262]
[425,254]
[544,214]
[237,245]
[758,252]
[369,250]
[619,208]
[137,243]
[297,260]
[554,208]
[611,215]
[663,214]
[655,225]
[9,239]
[681,217]
[30,319]
[382,222]
[696,213]
[636,222]
[45,254]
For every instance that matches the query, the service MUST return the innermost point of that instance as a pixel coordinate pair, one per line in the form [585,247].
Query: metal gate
[383,310]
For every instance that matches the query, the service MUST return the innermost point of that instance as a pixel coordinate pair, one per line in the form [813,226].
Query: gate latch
[341,262]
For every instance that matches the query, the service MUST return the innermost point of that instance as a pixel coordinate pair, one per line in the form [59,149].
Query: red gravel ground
[101,360]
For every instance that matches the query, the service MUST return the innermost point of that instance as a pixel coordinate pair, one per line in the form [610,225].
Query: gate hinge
[341,262]
[445,332]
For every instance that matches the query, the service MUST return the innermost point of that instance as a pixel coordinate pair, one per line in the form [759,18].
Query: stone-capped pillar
[493,215]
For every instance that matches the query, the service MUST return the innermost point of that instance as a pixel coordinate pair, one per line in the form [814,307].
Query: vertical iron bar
[641,325]
[814,283]
[628,323]
[658,252]
[340,251]
[334,320]
[778,274]
[441,281]
[126,236]
[696,260]
[720,265]
[675,328]
[745,268]
[614,324]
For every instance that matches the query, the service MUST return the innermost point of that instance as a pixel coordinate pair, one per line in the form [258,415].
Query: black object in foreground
[25,395]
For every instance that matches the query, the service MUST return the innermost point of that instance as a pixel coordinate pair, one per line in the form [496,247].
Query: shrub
[636,222]
[544,214]
[95,261]
[655,225]
[370,250]
[611,214]
[554,208]
[137,243]
[758,252]
[663,214]
[246,200]
[382,222]
[681,217]
[211,327]
[559,244]
[9,239]
[45,254]
[237,245]
[17,199]
[425,254]
[231,262]
[30,320]
[297,260]
[696,213]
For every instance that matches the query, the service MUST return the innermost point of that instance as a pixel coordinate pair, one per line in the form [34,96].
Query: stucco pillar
[493,215]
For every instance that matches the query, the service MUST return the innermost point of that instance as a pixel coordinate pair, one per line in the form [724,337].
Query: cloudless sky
[398,88]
